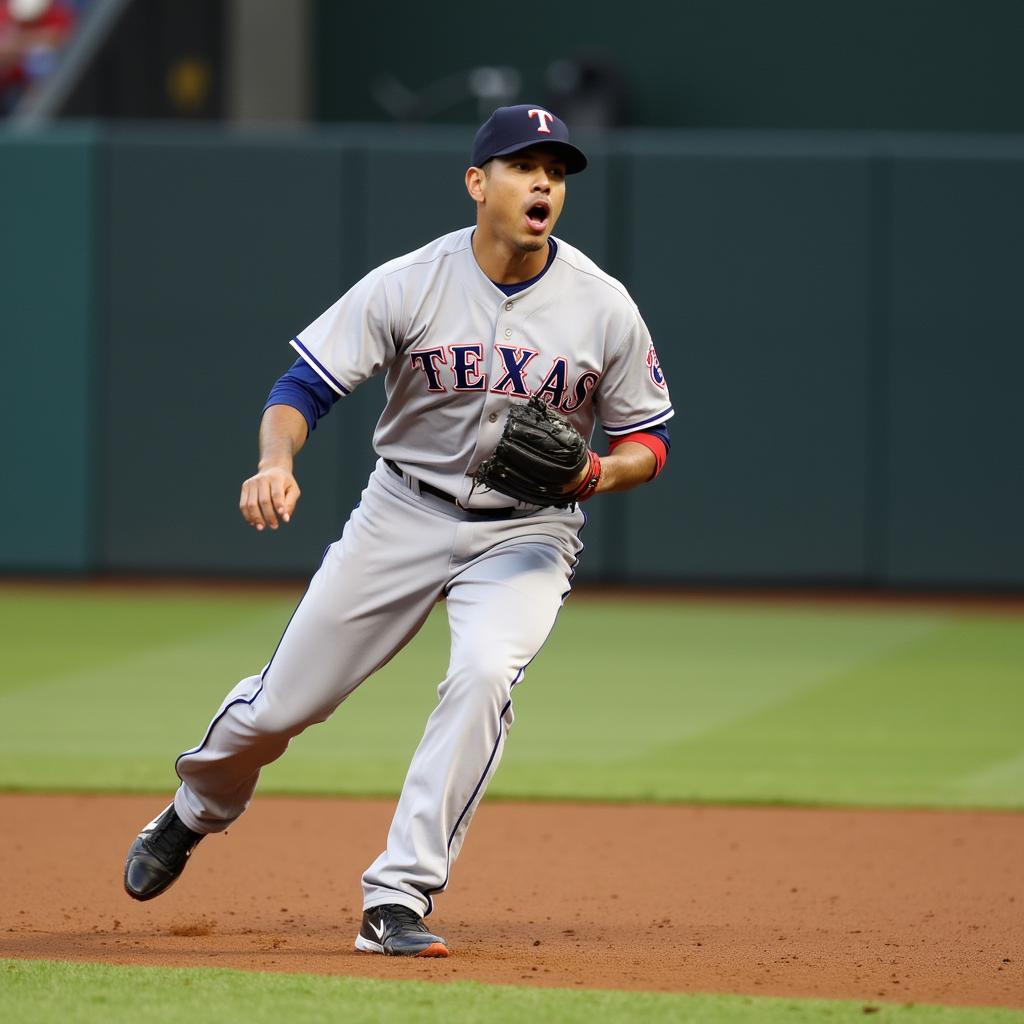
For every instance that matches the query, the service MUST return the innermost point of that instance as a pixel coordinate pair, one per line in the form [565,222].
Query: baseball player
[471,332]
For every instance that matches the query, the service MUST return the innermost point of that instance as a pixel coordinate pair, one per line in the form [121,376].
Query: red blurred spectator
[31,34]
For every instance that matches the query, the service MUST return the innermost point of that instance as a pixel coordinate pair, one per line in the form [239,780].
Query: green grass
[33,992]
[638,700]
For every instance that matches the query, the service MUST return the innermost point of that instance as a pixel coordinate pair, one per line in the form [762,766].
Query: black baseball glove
[538,459]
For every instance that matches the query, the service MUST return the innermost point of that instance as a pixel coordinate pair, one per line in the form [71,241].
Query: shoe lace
[403,917]
[172,841]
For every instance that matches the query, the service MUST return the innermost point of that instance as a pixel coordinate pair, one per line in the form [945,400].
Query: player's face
[523,196]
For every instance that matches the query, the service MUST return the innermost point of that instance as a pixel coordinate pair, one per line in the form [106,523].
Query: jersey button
[508,307]
[508,333]
[493,417]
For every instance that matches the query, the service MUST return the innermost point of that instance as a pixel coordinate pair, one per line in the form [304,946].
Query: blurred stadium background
[818,207]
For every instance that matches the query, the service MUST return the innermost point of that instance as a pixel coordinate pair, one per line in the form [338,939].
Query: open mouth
[537,216]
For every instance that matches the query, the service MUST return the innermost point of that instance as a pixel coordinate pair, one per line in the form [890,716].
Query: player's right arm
[356,334]
[270,495]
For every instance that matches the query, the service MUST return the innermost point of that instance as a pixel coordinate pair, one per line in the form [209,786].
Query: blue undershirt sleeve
[303,389]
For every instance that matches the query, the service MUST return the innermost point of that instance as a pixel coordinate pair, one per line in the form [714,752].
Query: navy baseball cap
[510,129]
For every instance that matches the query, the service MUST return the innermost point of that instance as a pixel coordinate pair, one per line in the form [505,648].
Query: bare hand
[268,497]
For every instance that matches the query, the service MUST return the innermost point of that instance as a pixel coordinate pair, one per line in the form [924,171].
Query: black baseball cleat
[158,855]
[397,931]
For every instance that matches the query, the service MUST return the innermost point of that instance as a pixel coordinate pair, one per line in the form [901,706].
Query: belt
[484,513]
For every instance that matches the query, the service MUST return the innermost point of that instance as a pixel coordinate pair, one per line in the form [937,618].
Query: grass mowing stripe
[741,703]
[937,719]
[47,632]
[34,992]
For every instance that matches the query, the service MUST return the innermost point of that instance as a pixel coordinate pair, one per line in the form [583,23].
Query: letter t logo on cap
[543,117]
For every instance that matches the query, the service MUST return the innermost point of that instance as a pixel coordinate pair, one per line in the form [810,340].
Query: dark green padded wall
[218,253]
[956,385]
[50,365]
[751,270]
[838,317]
[413,191]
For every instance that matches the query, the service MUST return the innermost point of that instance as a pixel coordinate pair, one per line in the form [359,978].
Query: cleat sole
[434,949]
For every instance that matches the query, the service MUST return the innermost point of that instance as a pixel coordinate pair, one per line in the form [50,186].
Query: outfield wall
[838,316]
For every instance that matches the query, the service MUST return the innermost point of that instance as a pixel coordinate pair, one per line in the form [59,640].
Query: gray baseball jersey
[456,352]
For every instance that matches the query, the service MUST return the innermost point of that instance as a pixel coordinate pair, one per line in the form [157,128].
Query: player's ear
[476,183]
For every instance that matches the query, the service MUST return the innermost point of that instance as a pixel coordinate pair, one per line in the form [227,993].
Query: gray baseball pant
[503,582]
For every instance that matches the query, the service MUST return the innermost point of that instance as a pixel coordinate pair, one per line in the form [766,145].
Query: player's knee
[477,685]
[277,718]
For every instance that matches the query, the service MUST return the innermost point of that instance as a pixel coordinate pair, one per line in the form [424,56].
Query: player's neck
[504,264]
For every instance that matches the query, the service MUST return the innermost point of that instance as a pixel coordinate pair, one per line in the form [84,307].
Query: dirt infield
[882,905]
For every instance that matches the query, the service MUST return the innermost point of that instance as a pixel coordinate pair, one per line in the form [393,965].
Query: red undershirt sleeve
[648,440]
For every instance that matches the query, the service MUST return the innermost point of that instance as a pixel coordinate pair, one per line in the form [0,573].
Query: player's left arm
[631,460]
[628,466]
[634,406]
